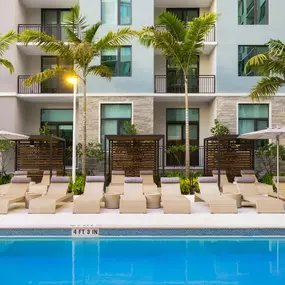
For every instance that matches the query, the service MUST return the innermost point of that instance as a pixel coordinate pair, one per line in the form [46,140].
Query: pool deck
[247,218]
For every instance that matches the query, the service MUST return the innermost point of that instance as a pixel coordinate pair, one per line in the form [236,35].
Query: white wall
[142,78]
[230,35]
[33,114]
[12,13]
[34,16]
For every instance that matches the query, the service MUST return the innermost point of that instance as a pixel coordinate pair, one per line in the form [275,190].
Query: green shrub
[267,179]
[5,179]
[78,187]
[185,186]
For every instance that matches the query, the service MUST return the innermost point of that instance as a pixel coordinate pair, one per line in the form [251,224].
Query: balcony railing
[57,31]
[51,86]
[211,37]
[200,84]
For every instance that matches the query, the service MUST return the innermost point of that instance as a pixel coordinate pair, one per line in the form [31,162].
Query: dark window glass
[245,53]
[117,12]
[119,61]
[253,12]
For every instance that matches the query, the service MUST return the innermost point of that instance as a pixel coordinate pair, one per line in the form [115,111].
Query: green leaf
[7,64]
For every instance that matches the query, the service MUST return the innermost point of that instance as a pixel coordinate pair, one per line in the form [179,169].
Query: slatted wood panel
[133,156]
[36,159]
[234,157]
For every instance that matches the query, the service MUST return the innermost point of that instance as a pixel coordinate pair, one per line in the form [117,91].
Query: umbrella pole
[277,146]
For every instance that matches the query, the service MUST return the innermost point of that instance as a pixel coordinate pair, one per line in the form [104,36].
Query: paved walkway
[200,218]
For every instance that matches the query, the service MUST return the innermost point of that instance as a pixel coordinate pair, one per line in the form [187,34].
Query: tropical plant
[175,150]
[93,150]
[180,43]
[5,155]
[45,130]
[271,65]
[5,42]
[219,129]
[267,157]
[129,128]
[77,188]
[83,46]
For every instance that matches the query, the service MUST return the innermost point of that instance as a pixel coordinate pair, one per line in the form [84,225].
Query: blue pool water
[142,261]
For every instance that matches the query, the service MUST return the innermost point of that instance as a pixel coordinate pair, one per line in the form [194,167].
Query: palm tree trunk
[84,130]
[187,144]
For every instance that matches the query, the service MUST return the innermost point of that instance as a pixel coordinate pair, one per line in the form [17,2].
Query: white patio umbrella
[274,133]
[5,135]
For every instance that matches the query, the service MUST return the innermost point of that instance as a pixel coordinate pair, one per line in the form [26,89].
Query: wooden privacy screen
[37,156]
[133,154]
[235,155]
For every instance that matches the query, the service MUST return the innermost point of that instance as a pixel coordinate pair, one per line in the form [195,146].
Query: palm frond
[7,64]
[100,70]
[114,39]
[256,62]
[72,34]
[91,32]
[49,73]
[266,87]
[276,47]
[74,19]
[175,26]
[6,40]
[47,43]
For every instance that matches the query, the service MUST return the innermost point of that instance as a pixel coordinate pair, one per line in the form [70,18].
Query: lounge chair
[42,187]
[4,187]
[90,201]
[57,193]
[226,186]
[15,193]
[117,182]
[210,193]
[262,187]
[133,201]
[173,202]
[264,204]
[281,187]
[149,187]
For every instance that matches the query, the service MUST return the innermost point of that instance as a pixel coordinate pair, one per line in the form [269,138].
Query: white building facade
[145,89]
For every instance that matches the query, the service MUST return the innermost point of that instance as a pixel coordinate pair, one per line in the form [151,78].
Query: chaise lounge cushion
[170,180]
[244,179]
[216,172]
[18,179]
[247,172]
[133,180]
[208,179]
[95,179]
[58,179]
[23,172]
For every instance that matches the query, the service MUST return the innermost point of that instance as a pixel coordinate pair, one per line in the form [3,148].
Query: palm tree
[180,43]
[82,49]
[5,42]
[271,65]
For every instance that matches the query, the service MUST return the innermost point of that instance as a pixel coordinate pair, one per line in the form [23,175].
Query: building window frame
[119,62]
[250,74]
[118,119]
[118,2]
[195,155]
[255,13]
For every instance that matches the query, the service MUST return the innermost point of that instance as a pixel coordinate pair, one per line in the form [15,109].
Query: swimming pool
[142,261]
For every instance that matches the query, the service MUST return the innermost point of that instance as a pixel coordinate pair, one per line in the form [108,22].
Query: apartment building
[145,89]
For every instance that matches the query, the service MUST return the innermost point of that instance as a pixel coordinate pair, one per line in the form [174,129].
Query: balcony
[51,86]
[210,38]
[205,84]
[57,31]
[53,4]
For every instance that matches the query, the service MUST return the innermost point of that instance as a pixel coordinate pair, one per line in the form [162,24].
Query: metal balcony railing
[211,37]
[51,86]
[197,84]
[57,31]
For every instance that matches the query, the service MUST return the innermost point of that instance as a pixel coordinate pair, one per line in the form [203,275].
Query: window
[118,60]
[253,117]
[52,21]
[185,14]
[117,12]
[175,128]
[253,12]
[56,84]
[245,53]
[113,117]
[60,122]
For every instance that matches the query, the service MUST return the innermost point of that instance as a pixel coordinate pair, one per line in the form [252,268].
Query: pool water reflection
[142,261]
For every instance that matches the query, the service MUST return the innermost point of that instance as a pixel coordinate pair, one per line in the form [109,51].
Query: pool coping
[95,232]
